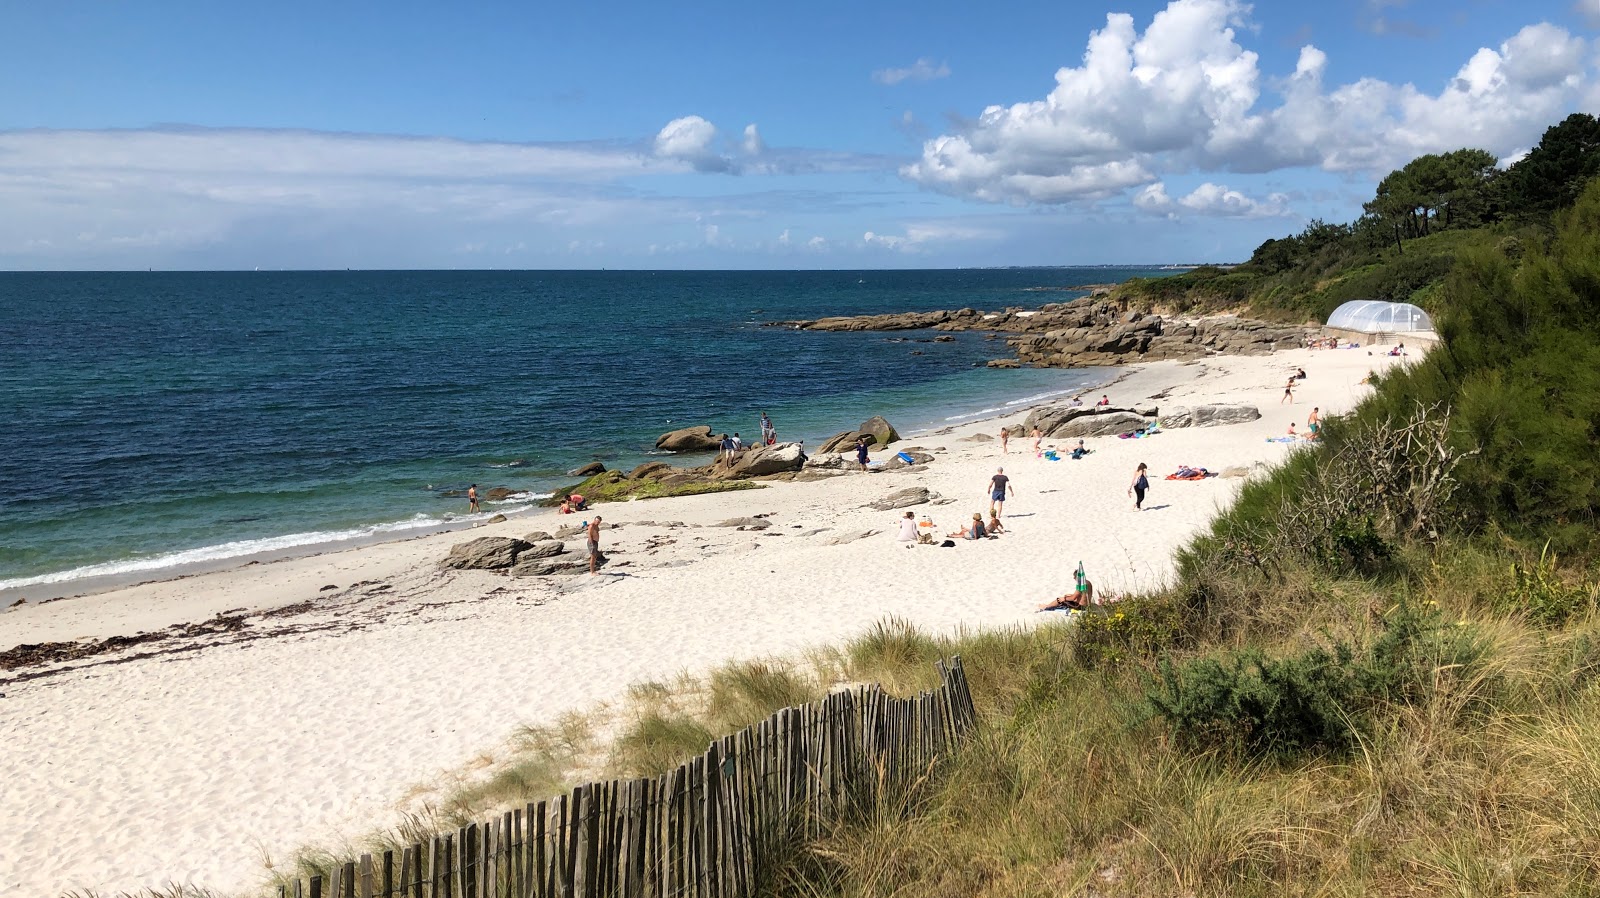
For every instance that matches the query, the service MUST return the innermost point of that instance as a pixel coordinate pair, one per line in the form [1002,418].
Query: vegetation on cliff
[1421,219]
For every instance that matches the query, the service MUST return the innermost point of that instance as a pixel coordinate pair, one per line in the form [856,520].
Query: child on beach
[1005,437]
[1038,435]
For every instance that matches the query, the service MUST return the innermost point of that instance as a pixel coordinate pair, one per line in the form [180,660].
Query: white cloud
[923,69]
[753,145]
[922,235]
[1185,96]
[692,139]
[1590,10]
[1212,200]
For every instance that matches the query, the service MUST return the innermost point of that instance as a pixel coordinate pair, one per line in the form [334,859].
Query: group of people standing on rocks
[733,445]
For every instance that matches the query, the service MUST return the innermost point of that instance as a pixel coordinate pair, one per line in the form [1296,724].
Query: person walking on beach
[1005,437]
[1140,484]
[594,545]
[1314,422]
[472,498]
[1288,393]
[998,484]
[1038,437]
[861,452]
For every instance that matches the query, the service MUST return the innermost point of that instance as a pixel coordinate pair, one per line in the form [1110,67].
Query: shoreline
[448,664]
[96,584]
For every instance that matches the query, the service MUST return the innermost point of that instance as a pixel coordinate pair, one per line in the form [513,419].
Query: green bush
[1129,630]
[1319,699]
[1542,596]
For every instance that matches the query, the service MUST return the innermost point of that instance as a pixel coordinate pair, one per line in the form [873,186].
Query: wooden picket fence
[713,828]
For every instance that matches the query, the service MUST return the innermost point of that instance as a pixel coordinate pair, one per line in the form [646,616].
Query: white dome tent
[1374,321]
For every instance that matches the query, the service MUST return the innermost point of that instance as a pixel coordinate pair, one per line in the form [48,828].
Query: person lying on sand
[972,531]
[1072,601]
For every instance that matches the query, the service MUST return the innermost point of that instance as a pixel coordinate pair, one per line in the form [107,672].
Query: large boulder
[499,494]
[839,442]
[545,549]
[590,469]
[881,431]
[917,458]
[689,439]
[1101,425]
[1208,415]
[650,469]
[763,460]
[829,462]
[488,553]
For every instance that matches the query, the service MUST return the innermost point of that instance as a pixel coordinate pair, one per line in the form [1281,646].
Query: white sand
[194,765]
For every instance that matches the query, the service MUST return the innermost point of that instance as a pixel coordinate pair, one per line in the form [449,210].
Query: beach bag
[948,544]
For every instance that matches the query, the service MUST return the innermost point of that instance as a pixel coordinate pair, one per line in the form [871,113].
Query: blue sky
[721,135]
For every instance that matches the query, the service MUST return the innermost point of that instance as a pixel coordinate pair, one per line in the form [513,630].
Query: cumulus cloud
[1185,95]
[692,139]
[920,236]
[1210,200]
[923,69]
[752,144]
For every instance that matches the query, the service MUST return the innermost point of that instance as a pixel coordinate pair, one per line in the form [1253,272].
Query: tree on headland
[1434,191]
[1554,173]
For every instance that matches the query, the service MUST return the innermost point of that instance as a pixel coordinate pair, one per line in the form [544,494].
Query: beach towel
[1282,440]
[1190,474]
[905,457]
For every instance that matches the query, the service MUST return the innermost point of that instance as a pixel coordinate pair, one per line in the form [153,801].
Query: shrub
[1129,630]
[1542,595]
[1319,699]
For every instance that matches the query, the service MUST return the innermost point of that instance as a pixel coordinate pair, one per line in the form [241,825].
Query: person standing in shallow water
[472,498]
[1140,484]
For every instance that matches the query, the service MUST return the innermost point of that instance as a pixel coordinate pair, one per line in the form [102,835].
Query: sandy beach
[338,682]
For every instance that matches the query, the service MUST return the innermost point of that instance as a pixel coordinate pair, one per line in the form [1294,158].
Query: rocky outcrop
[689,439]
[915,495]
[1088,331]
[650,469]
[1208,415]
[590,469]
[839,442]
[1105,425]
[488,553]
[1064,421]
[880,430]
[760,461]
[499,494]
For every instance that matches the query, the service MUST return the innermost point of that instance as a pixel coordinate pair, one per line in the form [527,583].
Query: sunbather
[1072,601]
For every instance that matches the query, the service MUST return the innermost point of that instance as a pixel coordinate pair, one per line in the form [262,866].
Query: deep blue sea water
[151,420]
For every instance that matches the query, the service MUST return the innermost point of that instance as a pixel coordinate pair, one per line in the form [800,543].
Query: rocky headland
[1085,332]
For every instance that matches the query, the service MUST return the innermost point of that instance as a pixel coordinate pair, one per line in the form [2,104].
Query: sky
[718,135]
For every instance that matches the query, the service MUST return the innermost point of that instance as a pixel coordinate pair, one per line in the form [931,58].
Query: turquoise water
[159,419]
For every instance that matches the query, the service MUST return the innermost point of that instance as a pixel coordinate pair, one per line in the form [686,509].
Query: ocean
[155,423]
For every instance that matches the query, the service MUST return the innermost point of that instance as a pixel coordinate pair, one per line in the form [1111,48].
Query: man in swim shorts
[594,544]
[472,498]
[998,484]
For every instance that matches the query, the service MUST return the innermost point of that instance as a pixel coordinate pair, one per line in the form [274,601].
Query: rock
[850,537]
[916,495]
[1235,471]
[541,567]
[745,523]
[1106,424]
[1002,363]
[811,474]
[839,442]
[944,339]
[881,431]
[829,462]
[538,536]
[650,469]
[497,519]
[1208,415]
[546,549]
[589,470]
[977,438]
[488,553]
[689,439]
[499,494]
[894,461]
[18,603]
[762,460]
[568,532]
